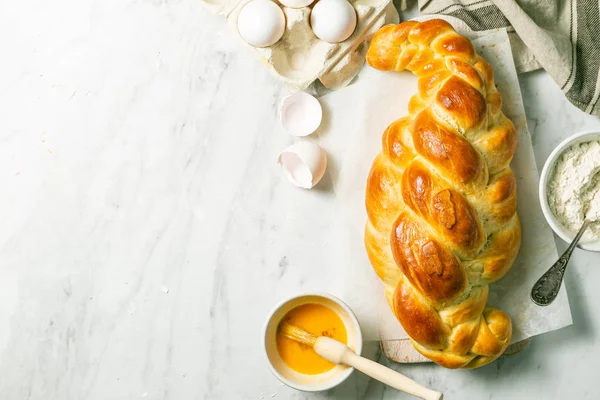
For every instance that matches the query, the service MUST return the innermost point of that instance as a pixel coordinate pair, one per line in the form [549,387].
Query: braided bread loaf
[441,197]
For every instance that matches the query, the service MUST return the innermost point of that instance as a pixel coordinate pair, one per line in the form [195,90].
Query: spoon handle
[546,288]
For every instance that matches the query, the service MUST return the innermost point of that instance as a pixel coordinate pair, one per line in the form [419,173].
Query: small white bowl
[296,380]
[564,233]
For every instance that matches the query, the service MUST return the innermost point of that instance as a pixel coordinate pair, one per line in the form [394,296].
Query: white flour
[574,188]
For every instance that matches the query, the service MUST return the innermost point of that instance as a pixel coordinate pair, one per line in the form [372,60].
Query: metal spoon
[546,288]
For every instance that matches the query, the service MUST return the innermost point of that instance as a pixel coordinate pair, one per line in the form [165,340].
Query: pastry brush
[338,353]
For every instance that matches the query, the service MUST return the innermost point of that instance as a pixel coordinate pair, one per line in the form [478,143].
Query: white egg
[333,21]
[296,3]
[300,114]
[261,23]
[303,163]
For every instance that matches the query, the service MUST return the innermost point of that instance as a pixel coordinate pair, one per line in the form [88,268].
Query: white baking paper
[354,121]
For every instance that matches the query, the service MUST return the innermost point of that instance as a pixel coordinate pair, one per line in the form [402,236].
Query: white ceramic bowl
[548,170]
[296,380]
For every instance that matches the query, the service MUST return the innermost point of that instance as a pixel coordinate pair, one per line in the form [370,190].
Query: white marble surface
[146,230]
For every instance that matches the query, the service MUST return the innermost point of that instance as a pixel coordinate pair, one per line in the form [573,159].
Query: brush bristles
[297,334]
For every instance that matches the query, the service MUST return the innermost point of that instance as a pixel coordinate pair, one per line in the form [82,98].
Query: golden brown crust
[454,154]
[428,265]
[443,208]
[441,198]
[422,321]
[461,104]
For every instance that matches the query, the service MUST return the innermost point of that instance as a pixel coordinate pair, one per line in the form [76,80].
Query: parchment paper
[354,121]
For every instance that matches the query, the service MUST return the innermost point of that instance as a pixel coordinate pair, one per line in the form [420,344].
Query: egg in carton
[299,57]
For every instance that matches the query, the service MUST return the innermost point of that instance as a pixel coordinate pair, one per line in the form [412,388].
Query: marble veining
[147,231]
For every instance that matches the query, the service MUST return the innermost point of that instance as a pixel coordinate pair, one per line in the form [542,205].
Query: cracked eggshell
[303,163]
[300,114]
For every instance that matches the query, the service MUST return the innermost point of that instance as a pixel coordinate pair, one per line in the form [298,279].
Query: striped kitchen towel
[563,37]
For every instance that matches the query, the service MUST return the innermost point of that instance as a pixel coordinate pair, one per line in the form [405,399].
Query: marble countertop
[147,230]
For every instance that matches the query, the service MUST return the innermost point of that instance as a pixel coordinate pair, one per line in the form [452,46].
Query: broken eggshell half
[303,163]
[300,114]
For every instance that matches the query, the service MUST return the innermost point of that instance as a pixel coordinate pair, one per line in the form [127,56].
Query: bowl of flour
[570,188]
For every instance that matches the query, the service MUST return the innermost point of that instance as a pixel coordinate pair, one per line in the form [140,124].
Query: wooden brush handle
[389,376]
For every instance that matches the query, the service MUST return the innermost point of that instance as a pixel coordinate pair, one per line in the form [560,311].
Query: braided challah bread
[441,197]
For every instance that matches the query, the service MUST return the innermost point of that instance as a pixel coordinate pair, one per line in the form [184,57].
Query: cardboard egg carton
[299,57]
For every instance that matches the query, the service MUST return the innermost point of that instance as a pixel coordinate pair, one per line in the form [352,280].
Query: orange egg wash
[318,320]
